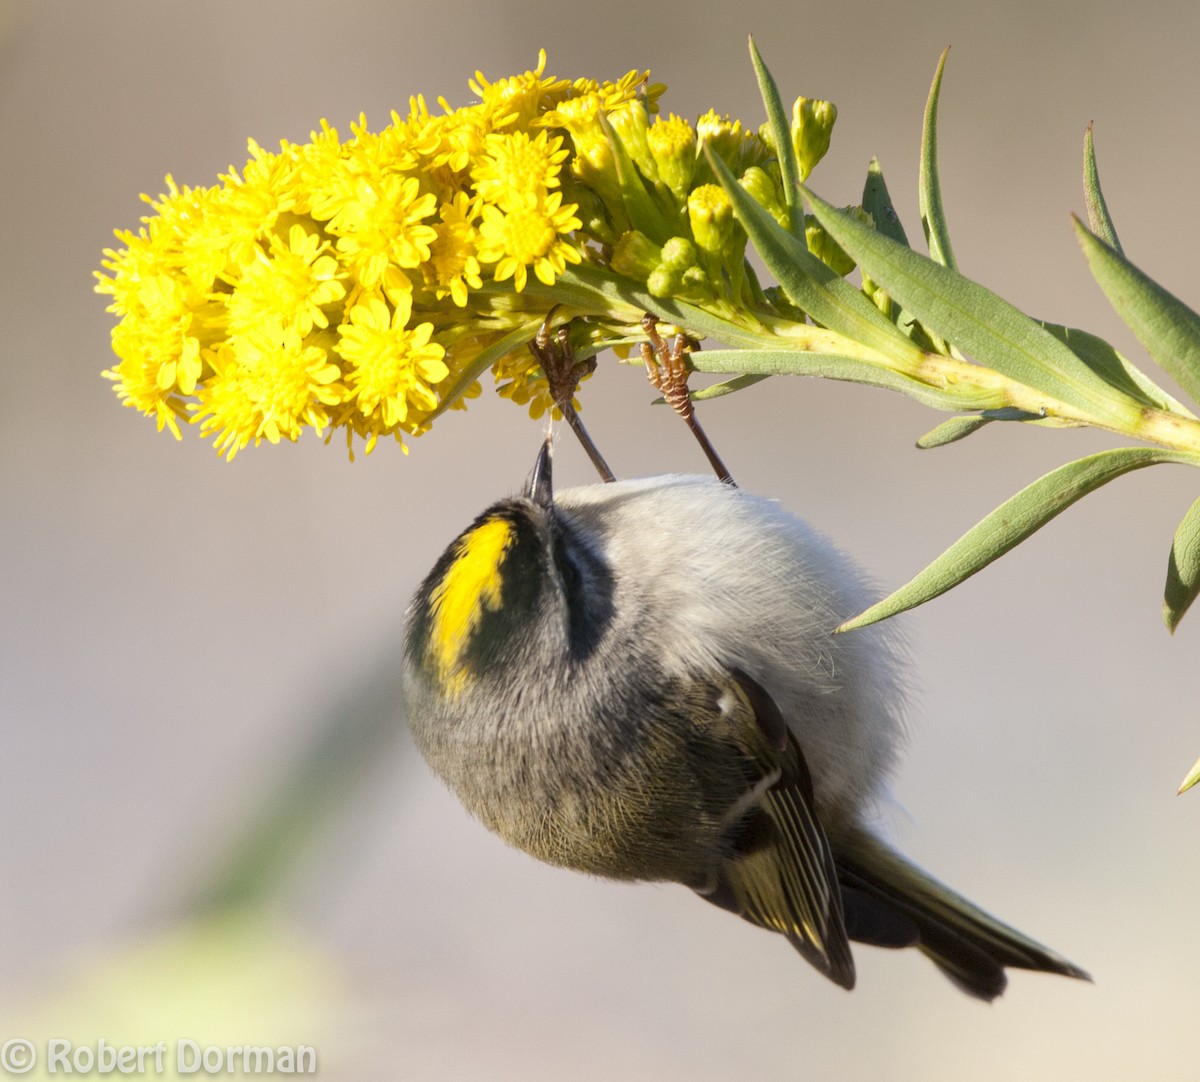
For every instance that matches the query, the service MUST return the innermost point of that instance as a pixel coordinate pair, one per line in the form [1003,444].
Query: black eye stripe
[587,588]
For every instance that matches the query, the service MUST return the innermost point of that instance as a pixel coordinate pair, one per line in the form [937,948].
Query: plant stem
[1143,422]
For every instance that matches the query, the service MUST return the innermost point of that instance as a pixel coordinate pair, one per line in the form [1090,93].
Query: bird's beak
[539,487]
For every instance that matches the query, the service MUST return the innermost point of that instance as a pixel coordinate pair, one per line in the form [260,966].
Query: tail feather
[891,902]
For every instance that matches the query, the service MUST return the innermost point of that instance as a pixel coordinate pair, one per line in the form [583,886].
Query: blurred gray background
[176,628]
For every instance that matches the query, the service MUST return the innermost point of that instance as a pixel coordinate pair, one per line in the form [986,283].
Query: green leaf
[1192,778]
[789,362]
[1093,197]
[1012,522]
[828,299]
[1166,327]
[953,430]
[976,320]
[958,428]
[483,361]
[1183,569]
[877,202]
[781,135]
[1115,369]
[729,386]
[929,190]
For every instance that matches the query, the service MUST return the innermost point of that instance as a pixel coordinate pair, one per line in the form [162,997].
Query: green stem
[1148,424]
[589,291]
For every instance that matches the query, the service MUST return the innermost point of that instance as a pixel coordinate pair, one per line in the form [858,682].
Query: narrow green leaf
[1192,778]
[953,430]
[1183,569]
[828,299]
[781,135]
[786,362]
[1166,327]
[483,361]
[975,319]
[729,386]
[1012,522]
[958,428]
[1093,198]
[1116,370]
[877,202]
[929,190]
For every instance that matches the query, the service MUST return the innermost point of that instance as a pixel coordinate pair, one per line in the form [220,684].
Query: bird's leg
[666,366]
[563,372]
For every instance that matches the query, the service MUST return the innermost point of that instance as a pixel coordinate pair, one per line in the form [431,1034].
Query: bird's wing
[781,874]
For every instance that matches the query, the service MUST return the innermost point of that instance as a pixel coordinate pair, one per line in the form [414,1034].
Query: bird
[641,680]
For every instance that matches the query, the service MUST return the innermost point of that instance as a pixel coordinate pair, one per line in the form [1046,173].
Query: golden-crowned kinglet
[640,680]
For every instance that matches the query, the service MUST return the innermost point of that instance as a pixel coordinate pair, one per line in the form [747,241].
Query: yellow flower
[452,263]
[393,368]
[160,348]
[380,221]
[357,283]
[269,385]
[515,165]
[247,208]
[225,406]
[313,163]
[631,85]
[592,160]
[137,381]
[518,100]
[580,117]
[289,378]
[446,145]
[529,235]
[291,286]
[127,268]
[194,230]
[520,379]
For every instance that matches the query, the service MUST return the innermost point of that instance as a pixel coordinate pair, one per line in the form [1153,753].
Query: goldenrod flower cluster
[357,283]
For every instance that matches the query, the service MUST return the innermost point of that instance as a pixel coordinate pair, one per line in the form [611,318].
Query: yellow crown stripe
[470,586]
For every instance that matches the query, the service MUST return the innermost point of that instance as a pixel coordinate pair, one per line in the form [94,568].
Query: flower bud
[636,256]
[737,147]
[812,126]
[678,254]
[672,144]
[825,248]
[710,214]
[765,192]
[680,274]
[630,124]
